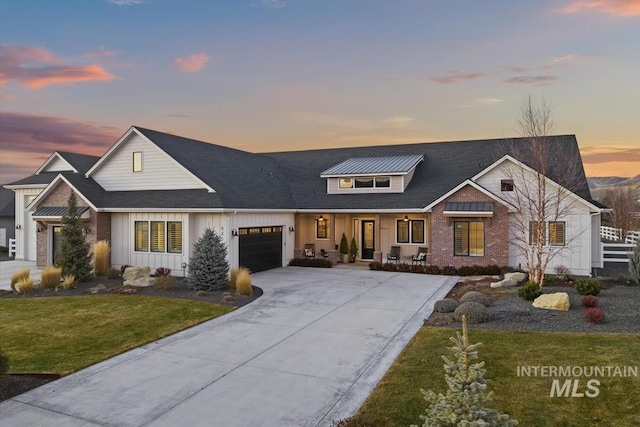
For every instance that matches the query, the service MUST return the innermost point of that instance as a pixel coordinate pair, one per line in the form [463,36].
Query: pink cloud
[609,7]
[456,78]
[35,67]
[192,63]
[27,139]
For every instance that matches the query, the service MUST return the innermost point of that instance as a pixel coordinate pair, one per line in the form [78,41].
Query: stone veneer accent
[99,222]
[496,233]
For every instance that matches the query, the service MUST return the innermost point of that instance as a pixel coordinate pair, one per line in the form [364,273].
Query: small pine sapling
[344,246]
[466,402]
[353,250]
[74,256]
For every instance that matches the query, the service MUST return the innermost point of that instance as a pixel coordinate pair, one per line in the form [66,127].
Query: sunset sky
[273,75]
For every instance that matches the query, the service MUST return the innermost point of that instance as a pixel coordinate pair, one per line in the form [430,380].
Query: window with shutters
[174,237]
[158,236]
[142,236]
[557,233]
[468,238]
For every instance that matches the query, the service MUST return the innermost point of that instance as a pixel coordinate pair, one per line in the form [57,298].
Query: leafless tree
[622,201]
[540,228]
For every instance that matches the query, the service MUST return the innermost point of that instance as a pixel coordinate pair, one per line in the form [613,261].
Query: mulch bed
[15,384]
[618,299]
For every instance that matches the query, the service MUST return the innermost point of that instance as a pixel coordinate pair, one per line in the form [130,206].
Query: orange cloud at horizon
[611,160]
[610,7]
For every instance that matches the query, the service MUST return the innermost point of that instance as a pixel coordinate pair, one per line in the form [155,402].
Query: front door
[368,239]
[56,242]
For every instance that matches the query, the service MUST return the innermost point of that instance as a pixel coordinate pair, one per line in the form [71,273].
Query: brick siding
[99,223]
[496,233]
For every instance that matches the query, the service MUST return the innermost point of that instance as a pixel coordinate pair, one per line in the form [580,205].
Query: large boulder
[554,301]
[506,283]
[143,282]
[135,273]
[516,277]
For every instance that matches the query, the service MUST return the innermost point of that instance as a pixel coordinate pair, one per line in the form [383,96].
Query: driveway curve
[306,353]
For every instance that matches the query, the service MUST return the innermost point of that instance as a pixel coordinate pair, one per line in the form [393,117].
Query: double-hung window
[468,238]
[410,231]
[158,236]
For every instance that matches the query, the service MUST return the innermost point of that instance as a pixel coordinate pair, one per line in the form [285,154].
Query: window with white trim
[137,161]
[158,236]
[410,231]
[365,182]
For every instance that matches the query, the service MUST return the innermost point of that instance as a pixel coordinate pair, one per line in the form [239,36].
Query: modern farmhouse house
[152,194]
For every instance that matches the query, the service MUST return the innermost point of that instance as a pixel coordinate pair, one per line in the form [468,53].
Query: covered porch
[374,234]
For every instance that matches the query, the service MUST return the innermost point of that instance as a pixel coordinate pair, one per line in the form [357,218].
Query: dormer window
[506,185]
[137,161]
[346,183]
[383,181]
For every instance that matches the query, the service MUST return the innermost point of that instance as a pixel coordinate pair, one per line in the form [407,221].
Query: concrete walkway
[306,353]
[7,268]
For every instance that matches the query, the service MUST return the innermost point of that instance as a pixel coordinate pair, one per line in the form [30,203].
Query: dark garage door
[260,248]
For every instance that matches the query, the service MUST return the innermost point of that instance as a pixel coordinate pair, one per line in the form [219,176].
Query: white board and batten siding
[26,234]
[159,172]
[245,220]
[579,254]
[123,242]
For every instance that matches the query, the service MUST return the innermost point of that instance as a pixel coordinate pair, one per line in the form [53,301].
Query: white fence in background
[12,247]
[617,252]
[610,233]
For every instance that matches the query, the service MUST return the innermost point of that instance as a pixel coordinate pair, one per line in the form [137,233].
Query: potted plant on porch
[344,247]
[353,250]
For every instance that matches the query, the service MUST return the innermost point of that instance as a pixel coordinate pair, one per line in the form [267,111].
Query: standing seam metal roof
[369,165]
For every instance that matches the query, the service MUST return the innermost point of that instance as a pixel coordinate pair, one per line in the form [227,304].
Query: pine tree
[74,256]
[465,403]
[353,250]
[208,266]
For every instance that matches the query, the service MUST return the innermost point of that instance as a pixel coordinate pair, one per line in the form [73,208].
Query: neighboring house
[152,194]
[27,189]
[7,216]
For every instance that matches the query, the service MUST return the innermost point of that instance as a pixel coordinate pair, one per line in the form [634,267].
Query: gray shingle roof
[7,202]
[375,165]
[81,162]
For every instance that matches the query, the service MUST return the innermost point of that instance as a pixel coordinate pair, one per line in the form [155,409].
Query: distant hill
[600,185]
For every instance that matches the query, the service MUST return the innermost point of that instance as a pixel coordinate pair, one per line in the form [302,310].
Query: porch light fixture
[234,232]
[291,229]
[406,218]
[87,231]
[39,230]
[321,218]
[18,227]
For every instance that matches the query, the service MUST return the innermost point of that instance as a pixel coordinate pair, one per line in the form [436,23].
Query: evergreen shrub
[529,291]
[74,256]
[475,296]
[474,312]
[588,286]
[208,266]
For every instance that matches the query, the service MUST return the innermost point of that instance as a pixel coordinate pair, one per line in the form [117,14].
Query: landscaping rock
[135,273]
[506,283]
[516,277]
[98,288]
[554,301]
[142,282]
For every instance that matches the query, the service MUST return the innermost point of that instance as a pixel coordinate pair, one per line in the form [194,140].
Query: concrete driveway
[306,353]
[7,268]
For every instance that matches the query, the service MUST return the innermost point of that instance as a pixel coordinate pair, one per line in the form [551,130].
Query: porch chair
[420,257]
[394,254]
[309,250]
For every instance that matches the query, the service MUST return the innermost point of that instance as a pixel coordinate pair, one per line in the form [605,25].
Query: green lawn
[61,335]
[398,398]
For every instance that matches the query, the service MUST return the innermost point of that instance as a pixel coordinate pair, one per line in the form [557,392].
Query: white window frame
[137,168]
